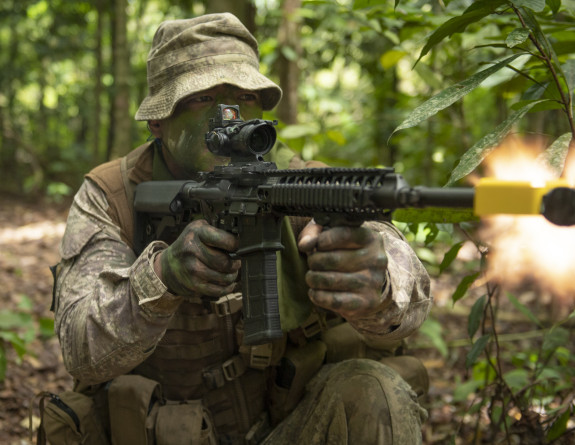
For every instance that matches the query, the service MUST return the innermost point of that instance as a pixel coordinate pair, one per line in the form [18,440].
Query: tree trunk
[242,9]
[122,121]
[9,164]
[287,63]
[98,86]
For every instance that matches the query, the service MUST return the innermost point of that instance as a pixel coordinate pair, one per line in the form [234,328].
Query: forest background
[428,88]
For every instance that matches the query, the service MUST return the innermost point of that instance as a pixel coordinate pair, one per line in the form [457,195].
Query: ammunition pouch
[70,418]
[139,415]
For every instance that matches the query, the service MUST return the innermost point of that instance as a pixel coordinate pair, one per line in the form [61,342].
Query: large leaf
[450,256]
[450,95]
[556,153]
[559,426]
[517,37]
[475,316]
[464,286]
[541,37]
[476,350]
[473,14]
[569,71]
[475,155]
[534,5]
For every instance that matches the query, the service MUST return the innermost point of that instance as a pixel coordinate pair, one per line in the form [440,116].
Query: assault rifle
[250,198]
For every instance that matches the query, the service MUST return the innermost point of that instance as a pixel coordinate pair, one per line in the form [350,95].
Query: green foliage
[529,29]
[519,54]
[432,329]
[19,328]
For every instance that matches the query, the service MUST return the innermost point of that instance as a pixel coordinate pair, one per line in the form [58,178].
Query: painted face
[183,133]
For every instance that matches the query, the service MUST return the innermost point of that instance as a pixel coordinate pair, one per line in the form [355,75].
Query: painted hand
[198,262]
[347,268]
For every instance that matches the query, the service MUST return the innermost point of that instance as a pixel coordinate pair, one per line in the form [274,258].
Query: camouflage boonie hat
[193,55]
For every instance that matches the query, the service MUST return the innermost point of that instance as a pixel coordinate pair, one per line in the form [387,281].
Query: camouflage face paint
[183,134]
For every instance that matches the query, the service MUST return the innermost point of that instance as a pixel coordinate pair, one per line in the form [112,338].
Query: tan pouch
[184,422]
[131,398]
[70,418]
[296,369]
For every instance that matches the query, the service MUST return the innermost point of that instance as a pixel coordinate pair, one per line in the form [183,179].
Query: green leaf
[569,71]
[17,343]
[475,155]
[540,36]
[523,309]
[46,326]
[554,5]
[432,329]
[555,337]
[476,350]
[475,316]
[463,286]
[558,427]
[534,5]
[450,95]
[463,390]
[517,37]
[517,379]
[14,320]
[432,233]
[450,256]
[473,14]
[554,156]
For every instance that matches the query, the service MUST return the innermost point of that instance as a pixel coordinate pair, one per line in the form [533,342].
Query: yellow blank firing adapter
[496,196]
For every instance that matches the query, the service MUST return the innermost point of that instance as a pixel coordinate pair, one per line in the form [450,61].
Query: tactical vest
[199,356]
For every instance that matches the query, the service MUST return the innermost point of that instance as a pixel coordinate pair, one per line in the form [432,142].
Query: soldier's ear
[155,128]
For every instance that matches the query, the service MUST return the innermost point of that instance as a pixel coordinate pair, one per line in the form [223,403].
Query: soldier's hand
[347,268]
[198,262]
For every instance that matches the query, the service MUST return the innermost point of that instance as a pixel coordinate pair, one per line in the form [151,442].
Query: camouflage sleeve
[111,308]
[407,294]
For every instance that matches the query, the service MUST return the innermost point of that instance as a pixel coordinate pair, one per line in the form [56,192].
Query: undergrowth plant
[523,392]
[19,328]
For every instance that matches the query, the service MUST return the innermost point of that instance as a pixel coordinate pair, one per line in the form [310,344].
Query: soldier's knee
[365,382]
[377,401]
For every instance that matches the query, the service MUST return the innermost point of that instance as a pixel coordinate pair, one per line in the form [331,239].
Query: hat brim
[161,103]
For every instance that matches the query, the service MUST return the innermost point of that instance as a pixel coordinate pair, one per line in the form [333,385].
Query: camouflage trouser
[355,402]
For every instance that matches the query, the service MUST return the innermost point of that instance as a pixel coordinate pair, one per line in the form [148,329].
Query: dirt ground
[29,236]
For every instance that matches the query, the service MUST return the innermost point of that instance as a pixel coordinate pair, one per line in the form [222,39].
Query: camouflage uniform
[113,313]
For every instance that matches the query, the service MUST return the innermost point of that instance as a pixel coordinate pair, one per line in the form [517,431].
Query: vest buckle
[233,368]
[228,371]
[227,305]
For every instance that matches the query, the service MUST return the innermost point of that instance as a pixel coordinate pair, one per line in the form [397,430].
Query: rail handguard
[250,198]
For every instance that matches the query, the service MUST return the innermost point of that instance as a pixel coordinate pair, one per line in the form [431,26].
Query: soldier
[153,341]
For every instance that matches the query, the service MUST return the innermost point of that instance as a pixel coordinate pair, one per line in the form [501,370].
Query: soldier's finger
[345,237]
[308,237]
